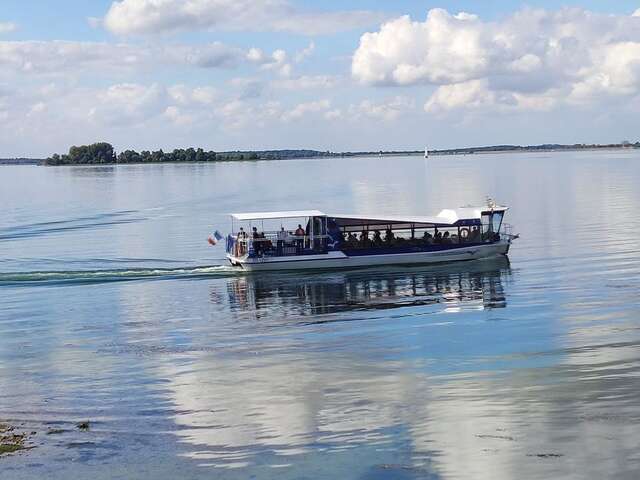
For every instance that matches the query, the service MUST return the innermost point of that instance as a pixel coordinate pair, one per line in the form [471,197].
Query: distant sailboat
[426,152]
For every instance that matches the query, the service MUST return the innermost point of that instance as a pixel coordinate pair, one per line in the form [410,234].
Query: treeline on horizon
[103,154]
[533,148]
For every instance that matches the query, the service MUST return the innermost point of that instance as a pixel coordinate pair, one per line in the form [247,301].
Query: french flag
[215,238]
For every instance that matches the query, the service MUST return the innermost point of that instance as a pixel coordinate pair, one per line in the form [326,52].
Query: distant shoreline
[265,155]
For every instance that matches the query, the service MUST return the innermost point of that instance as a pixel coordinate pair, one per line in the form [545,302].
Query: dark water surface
[114,309]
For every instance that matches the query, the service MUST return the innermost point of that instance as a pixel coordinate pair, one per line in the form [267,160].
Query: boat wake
[83,277]
[19,232]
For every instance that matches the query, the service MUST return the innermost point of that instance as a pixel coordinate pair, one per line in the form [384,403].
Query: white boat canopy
[346,220]
[277,215]
[444,218]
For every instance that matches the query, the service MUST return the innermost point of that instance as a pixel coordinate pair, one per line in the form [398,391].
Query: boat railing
[506,231]
[274,244]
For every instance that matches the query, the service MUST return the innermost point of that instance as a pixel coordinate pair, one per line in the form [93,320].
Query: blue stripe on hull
[359,252]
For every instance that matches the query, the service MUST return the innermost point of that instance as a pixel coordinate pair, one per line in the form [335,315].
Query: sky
[331,75]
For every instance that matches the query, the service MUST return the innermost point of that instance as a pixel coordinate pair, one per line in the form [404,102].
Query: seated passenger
[446,239]
[377,239]
[364,238]
[474,236]
[352,241]
[257,244]
[438,237]
[266,243]
[427,238]
[299,231]
[388,236]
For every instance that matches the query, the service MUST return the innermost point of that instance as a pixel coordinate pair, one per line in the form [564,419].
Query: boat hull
[339,259]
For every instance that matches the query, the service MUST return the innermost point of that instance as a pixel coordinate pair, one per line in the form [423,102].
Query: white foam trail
[100,276]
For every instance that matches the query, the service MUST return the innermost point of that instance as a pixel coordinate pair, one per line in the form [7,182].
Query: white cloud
[387,110]
[472,94]
[157,16]
[238,114]
[306,82]
[277,61]
[305,108]
[37,108]
[532,59]
[128,104]
[7,27]
[64,57]
[443,49]
[249,87]
[185,96]
[212,55]
[175,115]
[333,114]
[478,96]
[305,53]
[133,104]
[616,71]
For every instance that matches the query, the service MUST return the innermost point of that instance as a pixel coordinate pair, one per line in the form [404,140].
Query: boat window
[496,221]
[486,224]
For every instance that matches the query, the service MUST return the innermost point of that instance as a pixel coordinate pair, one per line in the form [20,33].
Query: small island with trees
[103,153]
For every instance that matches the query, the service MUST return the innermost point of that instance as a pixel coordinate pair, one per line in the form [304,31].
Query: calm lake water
[114,309]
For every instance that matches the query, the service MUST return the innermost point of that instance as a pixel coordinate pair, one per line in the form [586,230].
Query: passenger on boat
[474,236]
[282,237]
[241,245]
[377,239]
[446,239]
[364,239]
[257,244]
[299,233]
[352,240]
[388,236]
[266,243]
[427,238]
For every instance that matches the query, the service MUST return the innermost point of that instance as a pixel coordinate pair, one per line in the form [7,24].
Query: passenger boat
[311,239]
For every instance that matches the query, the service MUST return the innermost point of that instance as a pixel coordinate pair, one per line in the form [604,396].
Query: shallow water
[115,310]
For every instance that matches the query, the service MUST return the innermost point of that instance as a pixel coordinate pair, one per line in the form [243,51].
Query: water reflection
[477,285]
[358,388]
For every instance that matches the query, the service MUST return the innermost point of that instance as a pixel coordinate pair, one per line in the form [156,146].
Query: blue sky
[337,75]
